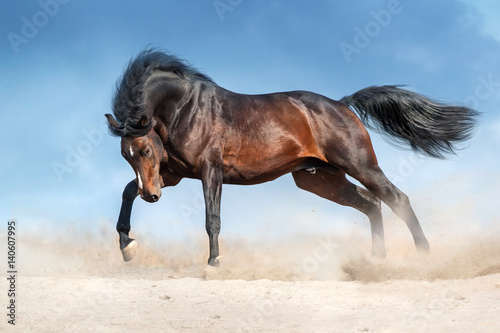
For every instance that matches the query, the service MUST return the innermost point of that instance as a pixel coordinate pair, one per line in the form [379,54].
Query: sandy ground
[316,283]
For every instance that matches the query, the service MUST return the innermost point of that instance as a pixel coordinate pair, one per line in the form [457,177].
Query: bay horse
[176,122]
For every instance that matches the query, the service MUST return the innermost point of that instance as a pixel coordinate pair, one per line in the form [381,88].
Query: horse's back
[312,119]
[330,121]
[274,133]
[286,106]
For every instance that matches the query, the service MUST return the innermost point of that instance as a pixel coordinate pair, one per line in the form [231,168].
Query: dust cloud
[341,256]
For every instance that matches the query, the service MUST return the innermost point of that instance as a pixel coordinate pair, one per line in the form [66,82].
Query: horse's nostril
[154,197]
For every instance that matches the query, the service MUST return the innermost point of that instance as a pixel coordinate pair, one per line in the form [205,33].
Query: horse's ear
[144,121]
[112,121]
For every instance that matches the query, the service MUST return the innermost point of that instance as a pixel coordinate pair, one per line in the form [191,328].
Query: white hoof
[130,251]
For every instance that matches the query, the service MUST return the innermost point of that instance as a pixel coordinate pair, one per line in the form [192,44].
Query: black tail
[427,126]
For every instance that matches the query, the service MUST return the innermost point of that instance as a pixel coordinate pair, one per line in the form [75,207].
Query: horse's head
[144,154]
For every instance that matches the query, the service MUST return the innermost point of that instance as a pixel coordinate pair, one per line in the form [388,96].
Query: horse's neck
[165,95]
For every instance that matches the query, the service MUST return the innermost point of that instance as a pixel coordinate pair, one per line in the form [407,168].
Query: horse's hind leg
[352,152]
[375,180]
[335,187]
[128,246]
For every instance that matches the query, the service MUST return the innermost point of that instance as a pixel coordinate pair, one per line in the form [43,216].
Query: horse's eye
[146,152]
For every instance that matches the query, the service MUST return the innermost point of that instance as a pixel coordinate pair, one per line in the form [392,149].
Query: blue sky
[60,61]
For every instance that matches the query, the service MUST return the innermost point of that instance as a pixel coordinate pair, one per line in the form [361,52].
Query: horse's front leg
[212,188]
[128,246]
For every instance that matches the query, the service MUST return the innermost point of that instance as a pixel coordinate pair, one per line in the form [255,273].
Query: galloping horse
[176,122]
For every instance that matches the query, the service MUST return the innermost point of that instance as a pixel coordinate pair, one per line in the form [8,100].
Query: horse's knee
[403,198]
[370,197]
[130,191]
[400,202]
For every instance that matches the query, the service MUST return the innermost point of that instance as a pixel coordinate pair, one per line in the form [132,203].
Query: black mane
[128,101]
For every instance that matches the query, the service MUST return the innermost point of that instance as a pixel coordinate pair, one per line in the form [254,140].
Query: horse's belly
[256,173]
[252,177]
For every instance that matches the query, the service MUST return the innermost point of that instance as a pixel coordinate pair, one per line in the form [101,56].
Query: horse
[175,122]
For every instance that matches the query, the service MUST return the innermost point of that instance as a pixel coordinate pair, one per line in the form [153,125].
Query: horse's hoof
[215,262]
[130,251]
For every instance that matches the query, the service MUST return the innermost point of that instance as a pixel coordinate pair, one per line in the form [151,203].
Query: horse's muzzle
[151,197]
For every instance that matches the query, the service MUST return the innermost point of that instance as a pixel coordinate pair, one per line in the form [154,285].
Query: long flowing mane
[128,102]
